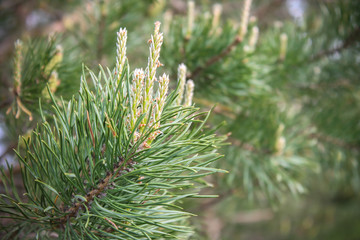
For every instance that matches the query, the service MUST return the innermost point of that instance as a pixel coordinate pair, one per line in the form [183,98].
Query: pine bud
[17,66]
[244,19]
[53,82]
[189,93]
[254,37]
[283,46]
[280,145]
[50,69]
[217,9]
[280,140]
[167,21]
[252,40]
[181,82]
[137,88]
[191,18]
[159,107]
[162,91]
[153,63]
[120,52]
[55,60]
[156,8]
[17,83]
[280,129]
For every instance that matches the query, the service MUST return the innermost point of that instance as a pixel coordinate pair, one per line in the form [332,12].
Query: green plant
[115,161]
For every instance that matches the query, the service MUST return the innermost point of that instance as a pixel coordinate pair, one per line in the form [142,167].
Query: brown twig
[215,58]
[334,141]
[341,83]
[349,41]
[253,216]
[16,169]
[8,150]
[249,147]
[219,108]
[119,169]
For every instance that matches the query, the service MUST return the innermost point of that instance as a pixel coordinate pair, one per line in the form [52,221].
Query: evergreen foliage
[118,158]
[112,166]
[266,87]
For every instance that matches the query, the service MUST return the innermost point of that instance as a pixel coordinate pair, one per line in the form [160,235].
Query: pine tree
[287,92]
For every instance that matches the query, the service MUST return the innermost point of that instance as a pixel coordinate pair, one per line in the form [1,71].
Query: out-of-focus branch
[348,42]
[8,150]
[253,216]
[249,147]
[334,141]
[215,58]
[219,108]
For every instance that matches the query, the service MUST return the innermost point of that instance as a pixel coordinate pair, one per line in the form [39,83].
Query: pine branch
[218,109]
[352,39]
[335,141]
[249,147]
[215,58]
[97,171]
[119,169]
[9,149]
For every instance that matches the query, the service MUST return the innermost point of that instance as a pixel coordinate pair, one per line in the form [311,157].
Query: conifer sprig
[137,90]
[87,177]
[18,106]
[120,51]
[150,72]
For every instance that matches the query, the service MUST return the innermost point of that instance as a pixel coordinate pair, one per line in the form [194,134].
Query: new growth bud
[191,18]
[55,60]
[137,89]
[143,101]
[161,95]
[280,142]
[120,52]
[181,82]
[167,21]
[17,83]
[254,37]
[244,19]
[17,66]
[280,145]
[153,64]
[283,46]
[53,82]
[50,69]
[252,40]
[189,93]
[159,107]
[217,9]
